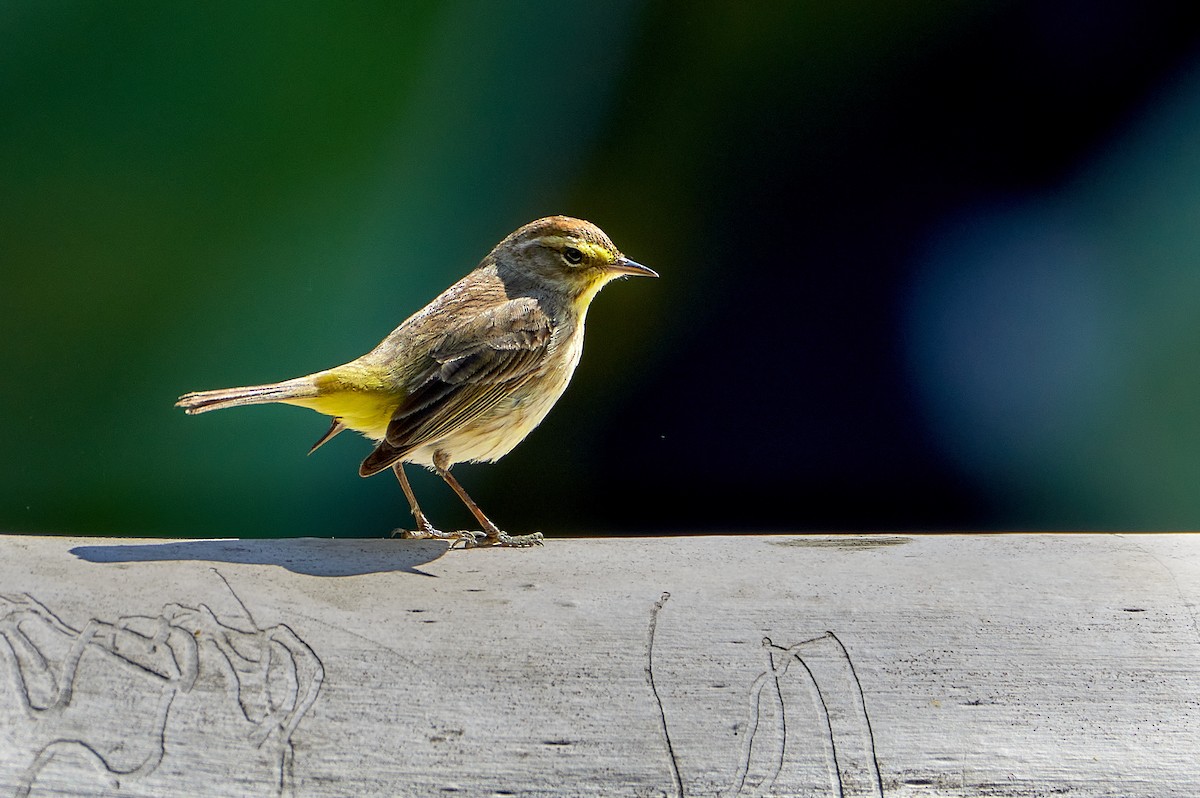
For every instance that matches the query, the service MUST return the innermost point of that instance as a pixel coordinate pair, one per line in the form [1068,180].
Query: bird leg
[492,534]
[425,528]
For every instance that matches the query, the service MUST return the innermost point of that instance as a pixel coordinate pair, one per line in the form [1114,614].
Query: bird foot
[468,538]
[472,539]
[505,540]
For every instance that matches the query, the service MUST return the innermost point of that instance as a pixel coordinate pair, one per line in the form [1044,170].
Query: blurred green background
[925,265]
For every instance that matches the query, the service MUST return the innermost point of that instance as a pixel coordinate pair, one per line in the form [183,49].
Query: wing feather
[472,368]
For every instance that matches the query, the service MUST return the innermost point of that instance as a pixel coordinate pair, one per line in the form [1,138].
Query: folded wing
[477,364]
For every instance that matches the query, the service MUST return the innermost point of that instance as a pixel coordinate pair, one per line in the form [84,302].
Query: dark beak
[632,267]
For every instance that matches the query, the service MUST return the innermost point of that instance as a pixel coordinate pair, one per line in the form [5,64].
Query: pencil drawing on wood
[807,732]
[118,698]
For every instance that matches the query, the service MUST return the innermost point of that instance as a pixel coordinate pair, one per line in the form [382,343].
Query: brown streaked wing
[476,365]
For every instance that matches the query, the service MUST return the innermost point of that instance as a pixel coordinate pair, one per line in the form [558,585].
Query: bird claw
[467,538]
[519,541]
[471,539]
[501,540]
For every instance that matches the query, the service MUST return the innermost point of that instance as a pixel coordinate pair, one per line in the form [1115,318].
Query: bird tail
[288,390]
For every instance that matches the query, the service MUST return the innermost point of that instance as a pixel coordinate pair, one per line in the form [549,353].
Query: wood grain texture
[961,665]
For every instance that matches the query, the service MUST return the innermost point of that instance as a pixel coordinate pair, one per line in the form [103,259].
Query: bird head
[569,254]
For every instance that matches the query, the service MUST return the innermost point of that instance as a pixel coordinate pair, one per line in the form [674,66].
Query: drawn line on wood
[771,682]
[278,671]
[776,674]
[820,696]
[662,715]
[862,701]
[237,598]
[29,662]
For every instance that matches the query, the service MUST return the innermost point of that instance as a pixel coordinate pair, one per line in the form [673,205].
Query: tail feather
[203,401]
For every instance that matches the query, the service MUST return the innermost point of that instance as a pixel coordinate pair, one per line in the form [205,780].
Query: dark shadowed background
[925,265]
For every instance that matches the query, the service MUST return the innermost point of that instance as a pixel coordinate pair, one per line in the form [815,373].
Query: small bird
[468,376]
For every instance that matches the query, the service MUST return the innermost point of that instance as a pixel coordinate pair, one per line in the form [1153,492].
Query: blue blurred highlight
[1054,340]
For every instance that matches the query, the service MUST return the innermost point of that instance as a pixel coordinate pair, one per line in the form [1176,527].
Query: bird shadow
[308,556]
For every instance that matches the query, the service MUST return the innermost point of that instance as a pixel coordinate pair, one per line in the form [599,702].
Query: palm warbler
[471,374]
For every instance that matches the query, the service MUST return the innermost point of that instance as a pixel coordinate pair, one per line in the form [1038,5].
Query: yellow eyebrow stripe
[591,251]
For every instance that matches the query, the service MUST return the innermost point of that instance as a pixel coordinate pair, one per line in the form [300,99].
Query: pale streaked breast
[497,432]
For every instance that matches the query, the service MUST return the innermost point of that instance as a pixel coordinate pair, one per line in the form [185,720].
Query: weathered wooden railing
[989,665]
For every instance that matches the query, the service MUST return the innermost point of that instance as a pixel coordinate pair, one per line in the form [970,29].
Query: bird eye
[573,255]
